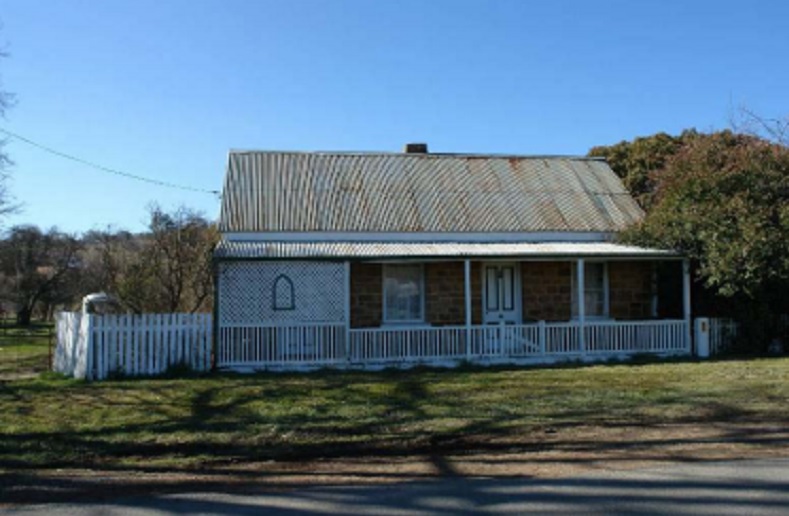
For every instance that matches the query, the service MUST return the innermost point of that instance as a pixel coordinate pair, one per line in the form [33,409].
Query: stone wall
[546,289]
[445,302]
[630,286]
[366,295]
[445,293]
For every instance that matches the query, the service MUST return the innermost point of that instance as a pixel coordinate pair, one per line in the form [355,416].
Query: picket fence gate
[95,347]
[723,333]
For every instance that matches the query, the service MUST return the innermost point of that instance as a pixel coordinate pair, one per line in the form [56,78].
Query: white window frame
[606,290]
[401,322]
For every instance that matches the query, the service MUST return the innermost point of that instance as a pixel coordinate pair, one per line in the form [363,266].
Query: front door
[501,293]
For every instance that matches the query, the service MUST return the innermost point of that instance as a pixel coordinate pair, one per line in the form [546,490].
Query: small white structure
[96,302]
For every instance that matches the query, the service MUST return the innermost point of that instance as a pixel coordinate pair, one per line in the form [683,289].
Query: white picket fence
[71,352]
[97,346]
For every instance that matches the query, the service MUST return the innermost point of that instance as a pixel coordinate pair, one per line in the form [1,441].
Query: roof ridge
[421,155]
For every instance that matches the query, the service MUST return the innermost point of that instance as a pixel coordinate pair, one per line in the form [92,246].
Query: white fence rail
[97,346]
[285,346]
[723,333]
[71,355]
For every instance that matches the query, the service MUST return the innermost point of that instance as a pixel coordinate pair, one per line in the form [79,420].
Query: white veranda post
[467,299]
[347,310]
[579,283]
[686,301]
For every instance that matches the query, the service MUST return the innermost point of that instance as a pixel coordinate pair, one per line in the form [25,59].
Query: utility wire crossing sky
[106,169]
[162,91]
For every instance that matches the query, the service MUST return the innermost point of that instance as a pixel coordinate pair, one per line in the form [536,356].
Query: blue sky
[165,88]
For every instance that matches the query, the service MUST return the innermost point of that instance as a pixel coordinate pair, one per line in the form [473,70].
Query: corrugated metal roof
[380,192]
[381,250]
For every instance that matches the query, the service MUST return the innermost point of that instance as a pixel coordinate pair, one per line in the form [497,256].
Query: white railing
[408,344]
[97,346]
[325,344]
[723,333]
[332,344]
[257,345]
[562,338]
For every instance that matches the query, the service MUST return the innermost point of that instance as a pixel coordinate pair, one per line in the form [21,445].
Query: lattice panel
[255,292]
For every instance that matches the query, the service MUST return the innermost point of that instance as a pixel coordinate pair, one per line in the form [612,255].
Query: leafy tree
[724,200]
[640,162]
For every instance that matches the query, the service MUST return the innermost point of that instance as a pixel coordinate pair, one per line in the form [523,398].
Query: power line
[103,168]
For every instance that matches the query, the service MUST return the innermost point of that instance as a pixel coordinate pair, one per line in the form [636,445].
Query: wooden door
[501,293]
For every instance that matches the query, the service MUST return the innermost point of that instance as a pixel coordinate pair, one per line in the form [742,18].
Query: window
[403,293]
[283,295]
[595,289]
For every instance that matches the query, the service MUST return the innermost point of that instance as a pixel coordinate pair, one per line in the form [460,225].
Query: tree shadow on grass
[394,423]
[215,437]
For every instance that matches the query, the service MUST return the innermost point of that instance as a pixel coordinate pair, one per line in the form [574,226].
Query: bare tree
[37,267]
[170,271]
[166,269]
[105,257]
[746,121]
[7,205]
[180,253]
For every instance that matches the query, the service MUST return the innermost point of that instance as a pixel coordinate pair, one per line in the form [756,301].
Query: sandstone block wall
[546,288]
[366,295]
[630,286]
[445,293]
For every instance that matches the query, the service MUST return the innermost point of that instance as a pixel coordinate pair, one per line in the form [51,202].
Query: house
[375,259]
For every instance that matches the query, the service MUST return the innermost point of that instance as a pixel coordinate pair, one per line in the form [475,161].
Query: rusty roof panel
[337,192]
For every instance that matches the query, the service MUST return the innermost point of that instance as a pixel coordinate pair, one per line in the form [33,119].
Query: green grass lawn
[24,351]
[197,423]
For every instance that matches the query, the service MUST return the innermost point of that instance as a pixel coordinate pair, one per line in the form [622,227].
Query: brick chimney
[415,148]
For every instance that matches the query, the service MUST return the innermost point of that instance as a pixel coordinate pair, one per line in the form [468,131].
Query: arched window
[283,297]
